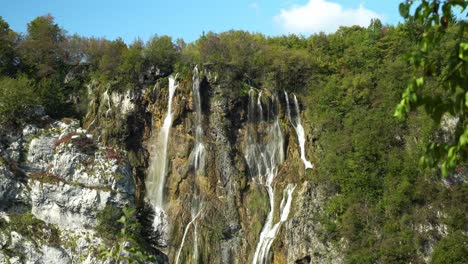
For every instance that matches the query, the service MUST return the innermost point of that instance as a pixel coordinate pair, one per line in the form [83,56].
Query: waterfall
[185,235]
[197,159]
[270,231]
[299,129]
[264,153]
[158,164]
[198,151]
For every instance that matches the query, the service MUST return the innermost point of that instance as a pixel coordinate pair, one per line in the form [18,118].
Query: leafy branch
[437,18]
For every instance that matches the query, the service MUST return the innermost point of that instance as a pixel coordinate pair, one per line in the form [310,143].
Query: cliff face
[55,180]
[235,205]
[243,196]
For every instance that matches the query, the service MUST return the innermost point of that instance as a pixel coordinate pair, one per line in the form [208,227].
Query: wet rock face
[302,238]
[235,207]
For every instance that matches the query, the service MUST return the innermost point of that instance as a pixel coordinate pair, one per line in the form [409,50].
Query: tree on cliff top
[43,47]
[7,48]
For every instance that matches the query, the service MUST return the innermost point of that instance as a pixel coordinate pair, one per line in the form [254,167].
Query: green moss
[30,227]
[3,161]
[108,226]
[257,206]
[451,249]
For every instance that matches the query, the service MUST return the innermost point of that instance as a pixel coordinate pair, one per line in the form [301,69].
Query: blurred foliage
[445,29]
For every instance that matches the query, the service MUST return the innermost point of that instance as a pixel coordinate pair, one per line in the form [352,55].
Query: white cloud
[322,15]
[253,5]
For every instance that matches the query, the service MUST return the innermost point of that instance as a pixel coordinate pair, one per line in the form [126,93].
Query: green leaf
[463,138]
[462,51]
[404,10]
[444,169]
[419,81]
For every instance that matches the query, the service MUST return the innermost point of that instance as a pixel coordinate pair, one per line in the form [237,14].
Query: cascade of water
[299,129]
[158,164]
[185,235]
[198,151]
[197,158]
[264,153]
[270,231]
[106,98]
[195,242]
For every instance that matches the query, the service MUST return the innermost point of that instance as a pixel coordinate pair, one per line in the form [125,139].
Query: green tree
[17,98]
[42,49]
[7,49]
[436,20]
[112,58]
[53,96]
[126,244]
[132,62]
[162,53]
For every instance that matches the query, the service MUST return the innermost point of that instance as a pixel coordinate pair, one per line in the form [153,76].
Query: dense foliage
[440,26]
[350,82]
[369,160]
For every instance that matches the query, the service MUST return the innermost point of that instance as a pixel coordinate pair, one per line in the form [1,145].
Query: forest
[351,82]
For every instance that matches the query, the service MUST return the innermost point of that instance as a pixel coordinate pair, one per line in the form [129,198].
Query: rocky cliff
[251,200]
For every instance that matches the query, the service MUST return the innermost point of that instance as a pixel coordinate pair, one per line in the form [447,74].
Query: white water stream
[296,123]
[198,152]
[264,154]
[197,158]
[187,227]
[157,171]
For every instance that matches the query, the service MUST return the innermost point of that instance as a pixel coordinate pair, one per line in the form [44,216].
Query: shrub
[29,226]
[108,225]
[451,249]
[17,99]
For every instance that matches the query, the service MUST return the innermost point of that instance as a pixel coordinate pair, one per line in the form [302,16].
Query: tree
[112,57]
[437,21]
[162,53]
[17,98]
[42,49]
[132,61]
[7,48]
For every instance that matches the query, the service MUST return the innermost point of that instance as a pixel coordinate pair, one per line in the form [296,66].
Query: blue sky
[188,19]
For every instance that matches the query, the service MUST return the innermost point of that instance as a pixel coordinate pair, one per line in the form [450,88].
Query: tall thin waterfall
[198,152]
[296,123]
[264,154]
[197,158]
[192,222]
[158,164]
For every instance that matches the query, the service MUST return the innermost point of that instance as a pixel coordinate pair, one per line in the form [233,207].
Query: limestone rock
[11,190]
[53,255]
[66,205]
[40,152]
